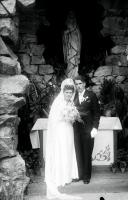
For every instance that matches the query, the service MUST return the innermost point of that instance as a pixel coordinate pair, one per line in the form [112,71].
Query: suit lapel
[84,96]
[85,93]
[76,99]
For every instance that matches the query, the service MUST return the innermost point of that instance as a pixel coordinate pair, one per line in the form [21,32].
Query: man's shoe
[86,181]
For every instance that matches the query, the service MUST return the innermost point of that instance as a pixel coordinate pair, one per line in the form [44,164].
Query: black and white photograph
[63,100]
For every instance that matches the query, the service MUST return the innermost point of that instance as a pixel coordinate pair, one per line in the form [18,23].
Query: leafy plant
[123,164]
[106,97]
[40,99]
[121,161]
[112,98]
[32,161]
[114,166]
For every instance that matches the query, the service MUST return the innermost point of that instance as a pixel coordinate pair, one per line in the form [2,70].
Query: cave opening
[51,26]
[94,45]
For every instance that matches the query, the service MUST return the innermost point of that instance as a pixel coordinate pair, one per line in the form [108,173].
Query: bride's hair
[68,87]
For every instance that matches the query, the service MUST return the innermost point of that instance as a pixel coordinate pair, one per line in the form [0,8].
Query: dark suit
[90,113]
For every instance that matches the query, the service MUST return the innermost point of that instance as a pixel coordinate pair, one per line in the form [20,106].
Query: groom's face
[80,86]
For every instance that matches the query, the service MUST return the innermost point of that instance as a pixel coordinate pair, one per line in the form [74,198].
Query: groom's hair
[69,87]
[81,78]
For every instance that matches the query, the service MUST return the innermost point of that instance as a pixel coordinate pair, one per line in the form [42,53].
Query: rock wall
[115,25]
[116,62]
[30,53]
[119,74]
[13,86]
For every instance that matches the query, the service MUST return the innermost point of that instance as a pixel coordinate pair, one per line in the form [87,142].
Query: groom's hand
[94,132]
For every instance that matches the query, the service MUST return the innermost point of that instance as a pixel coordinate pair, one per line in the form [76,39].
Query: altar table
[105,146]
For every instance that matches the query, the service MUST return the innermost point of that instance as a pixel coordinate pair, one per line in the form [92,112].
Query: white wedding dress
[60,164]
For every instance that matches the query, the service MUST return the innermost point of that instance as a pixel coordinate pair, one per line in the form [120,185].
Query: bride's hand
[80,120]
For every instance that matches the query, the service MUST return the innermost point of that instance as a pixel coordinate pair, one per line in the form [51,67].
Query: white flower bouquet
[70,113]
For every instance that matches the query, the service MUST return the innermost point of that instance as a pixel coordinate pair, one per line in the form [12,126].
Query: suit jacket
[89,110]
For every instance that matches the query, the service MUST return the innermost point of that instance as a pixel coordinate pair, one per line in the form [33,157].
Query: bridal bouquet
[70,113]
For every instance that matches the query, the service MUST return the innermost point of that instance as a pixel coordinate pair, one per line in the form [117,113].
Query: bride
[60,163]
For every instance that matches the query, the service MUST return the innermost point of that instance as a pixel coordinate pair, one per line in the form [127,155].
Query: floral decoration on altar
[103,155]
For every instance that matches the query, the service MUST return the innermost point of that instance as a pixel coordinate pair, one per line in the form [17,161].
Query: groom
[84,133]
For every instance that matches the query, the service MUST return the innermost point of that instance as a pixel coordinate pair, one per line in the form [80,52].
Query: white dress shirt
[81,96]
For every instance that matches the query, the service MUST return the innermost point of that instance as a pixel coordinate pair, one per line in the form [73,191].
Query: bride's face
[68,95]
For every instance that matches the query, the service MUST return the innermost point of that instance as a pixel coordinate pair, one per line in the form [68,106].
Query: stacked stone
[30,53]
[33,62]
[13,86]
[119,74]
[116,63]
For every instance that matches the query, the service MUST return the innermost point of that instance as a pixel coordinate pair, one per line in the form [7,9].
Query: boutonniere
[84,99]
